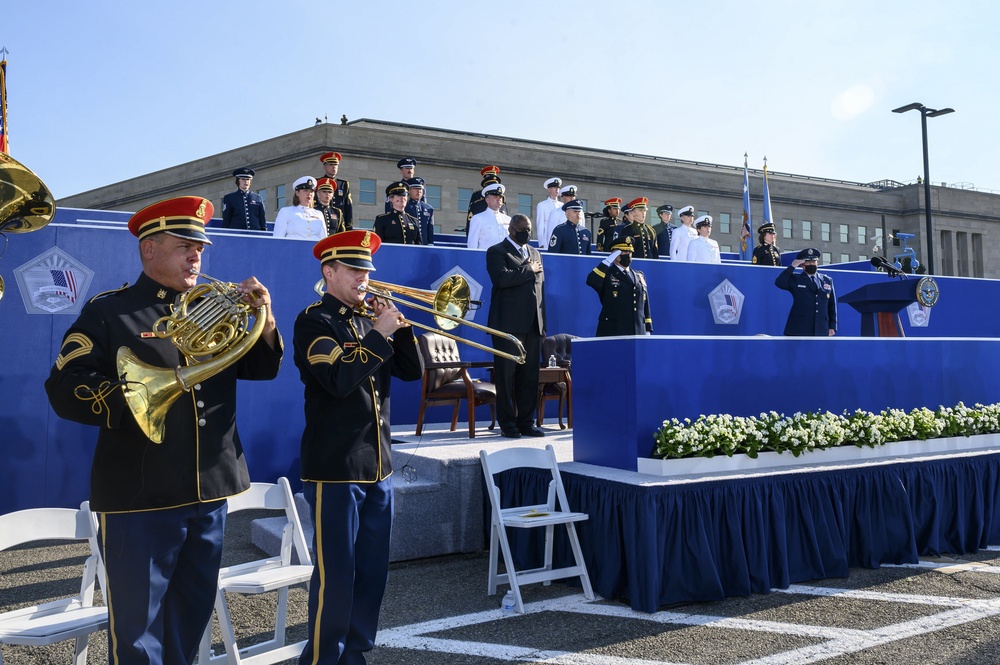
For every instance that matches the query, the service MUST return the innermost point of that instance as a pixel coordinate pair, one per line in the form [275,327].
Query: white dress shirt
[487,228]
[703,250]
[300,222]
[682,237]
[542,211]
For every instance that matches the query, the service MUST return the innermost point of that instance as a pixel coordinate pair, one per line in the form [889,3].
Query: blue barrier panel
[619,406]
[46,460]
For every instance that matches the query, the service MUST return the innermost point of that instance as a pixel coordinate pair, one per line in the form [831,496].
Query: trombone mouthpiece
[362,288]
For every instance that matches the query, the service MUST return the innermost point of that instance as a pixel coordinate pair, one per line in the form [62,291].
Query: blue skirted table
[661,543]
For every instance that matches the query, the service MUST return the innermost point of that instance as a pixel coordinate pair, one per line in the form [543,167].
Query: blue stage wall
[46,460]
[618,409]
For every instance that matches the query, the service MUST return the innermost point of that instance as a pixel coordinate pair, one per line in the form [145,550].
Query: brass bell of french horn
[26,204]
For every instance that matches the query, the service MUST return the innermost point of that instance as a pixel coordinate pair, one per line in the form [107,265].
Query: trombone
[449,305]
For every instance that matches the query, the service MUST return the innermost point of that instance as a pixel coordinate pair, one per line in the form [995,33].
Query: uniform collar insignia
[161,294]
[343,311]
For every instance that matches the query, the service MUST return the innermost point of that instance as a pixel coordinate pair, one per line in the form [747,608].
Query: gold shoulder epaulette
[108,293]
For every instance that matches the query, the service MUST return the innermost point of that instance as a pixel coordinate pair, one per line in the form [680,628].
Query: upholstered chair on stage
[447,381]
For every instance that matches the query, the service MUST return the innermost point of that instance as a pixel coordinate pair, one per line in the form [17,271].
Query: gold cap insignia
[368,239]
[201,209]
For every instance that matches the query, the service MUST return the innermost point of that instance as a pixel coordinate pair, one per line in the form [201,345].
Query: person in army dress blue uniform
[161,507]
[342,197]
[814,301]
[326,188]
[421,211]
[766,253]
[643,238]
[398,226]
[623,293]
[243,209]
[346,360]
[571,237]
[610,221]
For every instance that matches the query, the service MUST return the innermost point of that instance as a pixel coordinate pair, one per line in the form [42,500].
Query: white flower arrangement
[713,435]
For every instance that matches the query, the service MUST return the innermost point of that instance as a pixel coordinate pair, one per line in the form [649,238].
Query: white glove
[611,257]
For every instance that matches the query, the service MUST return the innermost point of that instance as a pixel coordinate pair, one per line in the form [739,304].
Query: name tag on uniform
[146,335]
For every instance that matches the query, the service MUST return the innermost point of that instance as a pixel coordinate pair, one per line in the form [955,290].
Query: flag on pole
[3,103]
[746,247]
[768,219]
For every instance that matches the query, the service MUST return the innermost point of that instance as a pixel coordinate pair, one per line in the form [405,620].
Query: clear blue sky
[101,91]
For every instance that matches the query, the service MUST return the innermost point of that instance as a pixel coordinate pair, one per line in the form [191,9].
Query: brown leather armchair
[447,381]
[560,387]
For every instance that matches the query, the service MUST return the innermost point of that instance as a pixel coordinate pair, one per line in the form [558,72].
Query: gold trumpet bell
[26,204]
[452,299]
[149,393]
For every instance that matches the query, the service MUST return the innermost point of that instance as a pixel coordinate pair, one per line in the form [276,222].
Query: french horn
[209,325]
[26,204]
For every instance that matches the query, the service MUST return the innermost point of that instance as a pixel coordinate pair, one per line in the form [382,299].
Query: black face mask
[809,269]
[625,260]
[521,237]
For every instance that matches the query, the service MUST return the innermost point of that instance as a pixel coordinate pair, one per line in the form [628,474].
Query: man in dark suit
[623,292]
[243,209]
[517,306]
[814,302]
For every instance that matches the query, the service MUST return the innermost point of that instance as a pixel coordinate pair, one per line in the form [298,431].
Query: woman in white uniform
[703,249]
[301,220]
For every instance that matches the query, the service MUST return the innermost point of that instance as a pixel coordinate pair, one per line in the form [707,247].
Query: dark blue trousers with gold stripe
[353,524]
[162,569]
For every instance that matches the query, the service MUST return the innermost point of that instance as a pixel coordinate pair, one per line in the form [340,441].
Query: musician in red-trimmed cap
[606,228]
[326,188]
[161,506]
[346,360]
[643,238]
[342,194]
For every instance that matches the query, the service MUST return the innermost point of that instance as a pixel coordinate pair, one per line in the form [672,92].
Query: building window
[962,252]
[433,195]
[262,193]
[725,248]
[724,224]
[824,231]
[701,213]
[977,255]
[279,199]
[364,224]
[947,254]
[366,192]
[464,194]
[807,230]
[845,258]
[524,204]
[862,257]
[845,234]
[583,202]
[862,235]
[786,228]
[827,259]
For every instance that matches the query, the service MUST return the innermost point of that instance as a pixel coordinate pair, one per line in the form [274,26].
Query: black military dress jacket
[342,201]
[814,309]
[624,303]
[606,231]
[333,217]
[766,255]
[200,458]
[398,227]
[346,367]
[643,239]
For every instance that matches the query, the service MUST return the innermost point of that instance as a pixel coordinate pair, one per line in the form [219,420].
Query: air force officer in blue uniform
[814,301]
[243,209]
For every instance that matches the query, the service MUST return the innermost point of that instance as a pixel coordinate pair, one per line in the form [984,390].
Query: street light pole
[924,114]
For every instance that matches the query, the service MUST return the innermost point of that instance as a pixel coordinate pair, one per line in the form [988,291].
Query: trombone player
[346,358]
[161,506]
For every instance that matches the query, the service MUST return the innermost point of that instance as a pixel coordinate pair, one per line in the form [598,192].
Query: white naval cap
[553,182]
[305,182]
[686,210]
[495,188]
[704,220]
[568,189]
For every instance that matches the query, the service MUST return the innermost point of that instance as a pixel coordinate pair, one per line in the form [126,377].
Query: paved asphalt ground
[437,612]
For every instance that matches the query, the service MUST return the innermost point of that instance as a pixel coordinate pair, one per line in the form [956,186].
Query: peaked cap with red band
[183,217]
[333,157]
[352,248]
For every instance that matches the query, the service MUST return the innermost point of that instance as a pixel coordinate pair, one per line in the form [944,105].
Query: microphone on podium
[882,264]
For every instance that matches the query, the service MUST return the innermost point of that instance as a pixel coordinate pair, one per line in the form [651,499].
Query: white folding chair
[546,515]
[73,618]
[261,576]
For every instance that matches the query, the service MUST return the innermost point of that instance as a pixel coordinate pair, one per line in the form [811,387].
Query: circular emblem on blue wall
[927,292]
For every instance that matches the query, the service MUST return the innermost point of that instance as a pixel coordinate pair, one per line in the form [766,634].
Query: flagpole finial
[3,52]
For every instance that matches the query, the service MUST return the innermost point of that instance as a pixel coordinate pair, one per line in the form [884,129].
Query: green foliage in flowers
[713,435]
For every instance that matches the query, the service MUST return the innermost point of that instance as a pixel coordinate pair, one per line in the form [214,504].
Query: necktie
[524,252]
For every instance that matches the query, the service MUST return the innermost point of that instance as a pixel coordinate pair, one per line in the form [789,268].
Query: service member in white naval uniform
[703,249]
[545,206]
[683,235]
[301,220]
[490,226]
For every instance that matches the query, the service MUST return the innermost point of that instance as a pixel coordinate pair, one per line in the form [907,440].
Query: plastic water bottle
[552,361]
[507,604]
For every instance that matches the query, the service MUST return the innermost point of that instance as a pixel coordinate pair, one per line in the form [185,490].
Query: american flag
[733,302]
[67,280]
[746,250]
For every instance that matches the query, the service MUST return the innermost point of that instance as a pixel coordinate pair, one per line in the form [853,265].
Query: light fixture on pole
[924,114]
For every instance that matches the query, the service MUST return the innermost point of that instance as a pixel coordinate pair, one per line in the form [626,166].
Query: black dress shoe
[532,431]
[510,433]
